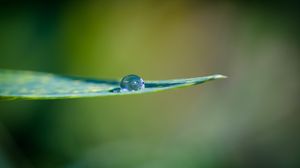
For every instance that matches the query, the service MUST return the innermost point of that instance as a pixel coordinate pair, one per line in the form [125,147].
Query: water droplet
[132,83]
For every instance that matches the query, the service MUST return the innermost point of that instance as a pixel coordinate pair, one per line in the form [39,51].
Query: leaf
[16,84]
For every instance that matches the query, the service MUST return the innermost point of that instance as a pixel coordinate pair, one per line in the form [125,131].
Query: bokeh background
[250,119]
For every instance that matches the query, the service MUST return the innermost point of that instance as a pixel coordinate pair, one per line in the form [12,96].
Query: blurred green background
[250,119]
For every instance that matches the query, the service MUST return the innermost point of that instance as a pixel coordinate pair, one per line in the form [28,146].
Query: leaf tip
[219,76]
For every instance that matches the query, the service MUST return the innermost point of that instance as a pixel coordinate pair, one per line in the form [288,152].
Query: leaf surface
[17,84]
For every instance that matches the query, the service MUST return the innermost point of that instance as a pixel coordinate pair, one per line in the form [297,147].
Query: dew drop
[132,83]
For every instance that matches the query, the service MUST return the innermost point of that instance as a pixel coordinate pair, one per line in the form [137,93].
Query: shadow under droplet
[115,90]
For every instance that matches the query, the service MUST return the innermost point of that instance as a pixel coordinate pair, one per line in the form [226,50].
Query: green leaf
[15,84]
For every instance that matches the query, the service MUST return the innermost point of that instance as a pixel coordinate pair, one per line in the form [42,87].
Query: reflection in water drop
[132,83]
